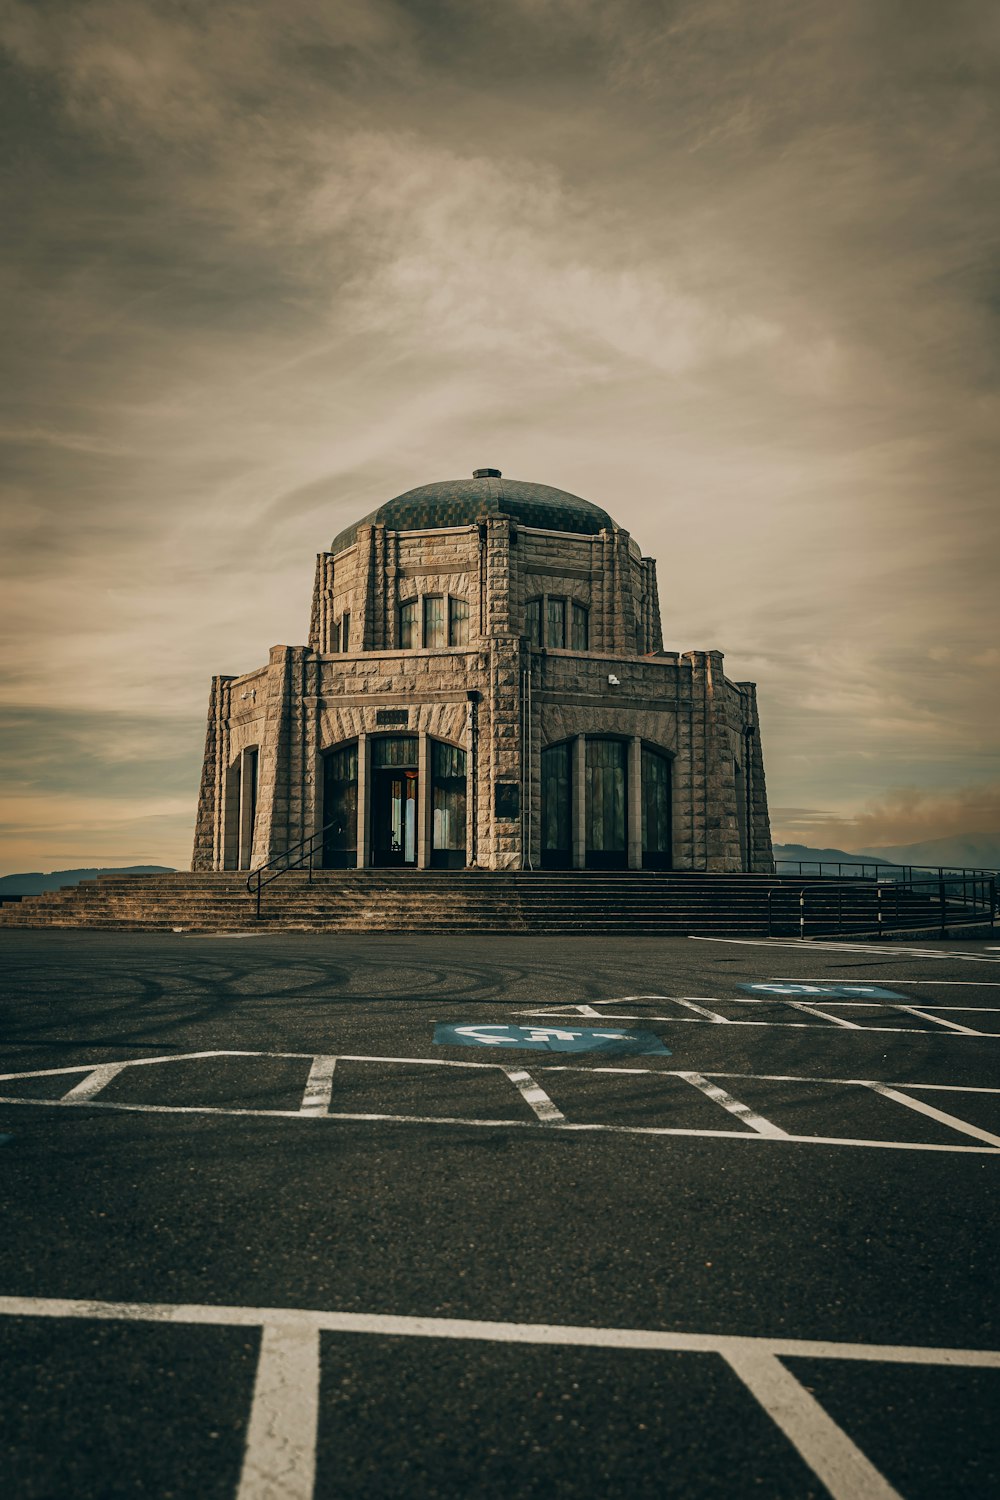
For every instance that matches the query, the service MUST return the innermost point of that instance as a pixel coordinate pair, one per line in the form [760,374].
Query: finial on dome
[486,474]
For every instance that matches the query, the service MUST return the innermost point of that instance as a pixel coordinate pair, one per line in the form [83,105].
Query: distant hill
[786,857]
[33,883]
[975,850]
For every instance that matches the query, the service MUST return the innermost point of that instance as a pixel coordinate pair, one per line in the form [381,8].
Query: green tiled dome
[460,502]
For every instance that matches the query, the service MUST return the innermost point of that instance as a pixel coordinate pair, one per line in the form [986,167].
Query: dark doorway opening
[395,800]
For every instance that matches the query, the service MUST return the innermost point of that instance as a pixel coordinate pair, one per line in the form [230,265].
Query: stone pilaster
[497,576]
[286,806]
[760,855]
[634,786]
[208,834]
[652,628]
[578,784]
[392,590]
[617,623]
[505,758]
[364,599]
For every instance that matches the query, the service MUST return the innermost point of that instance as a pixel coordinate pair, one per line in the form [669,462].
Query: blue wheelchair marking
[552,1039]
[822,991]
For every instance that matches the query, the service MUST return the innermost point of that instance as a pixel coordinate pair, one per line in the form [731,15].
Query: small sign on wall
[507,800]
[395,718]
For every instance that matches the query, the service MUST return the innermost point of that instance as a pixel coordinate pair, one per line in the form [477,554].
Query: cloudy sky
[727,269]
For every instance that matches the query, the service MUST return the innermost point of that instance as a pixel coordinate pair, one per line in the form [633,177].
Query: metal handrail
[905,871]
[308,845]
[975,895]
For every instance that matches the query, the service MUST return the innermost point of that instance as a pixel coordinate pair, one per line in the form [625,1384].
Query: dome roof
[460,502]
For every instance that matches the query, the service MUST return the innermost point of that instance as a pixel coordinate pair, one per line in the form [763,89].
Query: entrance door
[394,817]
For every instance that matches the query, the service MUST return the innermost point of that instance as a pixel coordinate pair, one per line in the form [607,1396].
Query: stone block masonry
[506,638]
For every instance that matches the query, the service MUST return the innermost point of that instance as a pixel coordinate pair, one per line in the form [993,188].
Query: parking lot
[380,1216]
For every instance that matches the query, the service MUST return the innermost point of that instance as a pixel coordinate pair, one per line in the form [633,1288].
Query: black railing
[304,851]
[870,869]
[875,907]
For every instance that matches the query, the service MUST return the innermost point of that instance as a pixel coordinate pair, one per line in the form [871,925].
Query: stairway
[455,901]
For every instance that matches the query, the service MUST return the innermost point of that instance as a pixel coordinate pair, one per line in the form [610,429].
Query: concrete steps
[454,901]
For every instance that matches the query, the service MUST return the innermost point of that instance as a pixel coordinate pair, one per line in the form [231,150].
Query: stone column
[470,779]
[423,801]
[635,803]
[248,776]
[209,833]
[362,629]
[579,802]
[364,800]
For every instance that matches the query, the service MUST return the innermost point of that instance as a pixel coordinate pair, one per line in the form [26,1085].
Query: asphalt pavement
[493,1216]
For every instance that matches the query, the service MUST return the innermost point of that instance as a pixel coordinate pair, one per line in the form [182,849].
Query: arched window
[657,836]
[557,806]
[607,803]
[340,807]
[458,622]
[448,805]
[408,625]
[555,622]
[434,621]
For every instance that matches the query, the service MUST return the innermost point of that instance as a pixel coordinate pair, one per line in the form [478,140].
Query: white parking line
[810,1010]
[279,1462]
[568,1126]
[812,945]
[536,1097]
[317,1100]
[319,1087]
[741,1111]
[280,1457]
[96,1080]
[939,1020]
[835,1021]
[831,978]
[826,1448]
[699,1010]
[922,1107]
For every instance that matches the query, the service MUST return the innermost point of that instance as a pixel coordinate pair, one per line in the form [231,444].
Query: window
[434,629]
[656,835]
[607,801]
[345,632]
[448,797]
[389,750]
[408,625]
[581,629]
[557,806]
[340,808]
[533,622]
[458,622]
[555,615]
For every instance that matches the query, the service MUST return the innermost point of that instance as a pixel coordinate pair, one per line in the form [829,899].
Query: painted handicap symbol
[785,989]
[551,1039]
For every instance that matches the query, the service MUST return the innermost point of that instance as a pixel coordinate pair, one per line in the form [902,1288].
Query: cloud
[723,269]
[902,815]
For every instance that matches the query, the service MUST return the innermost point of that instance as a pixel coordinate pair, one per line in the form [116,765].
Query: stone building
[485,685]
